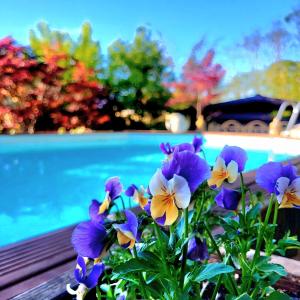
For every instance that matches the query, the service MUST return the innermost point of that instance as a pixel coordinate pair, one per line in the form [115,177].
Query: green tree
[77,58]
[136,72]
[281,80]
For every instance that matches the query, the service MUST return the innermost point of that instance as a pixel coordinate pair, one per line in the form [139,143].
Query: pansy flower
[281,181]
[229,164]
[85,281]
[172,186]
[228,199]
[113,189]
[89,239]
[168,197]
[127,232]
[197,249]
[138,195]
[195,147]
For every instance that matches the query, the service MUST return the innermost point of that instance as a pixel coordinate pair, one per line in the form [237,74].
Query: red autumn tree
[81,95]
[19,107]
[199,79]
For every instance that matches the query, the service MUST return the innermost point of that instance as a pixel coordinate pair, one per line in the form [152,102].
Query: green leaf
[134,265]
[149,257]
[278,296]
[244,296]
[272,268]
[253,212]
[212,270]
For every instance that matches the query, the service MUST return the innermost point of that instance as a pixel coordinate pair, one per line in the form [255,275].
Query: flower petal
[189,166]
[232,169]
[88,239]
[267,175]
[131,190]
[114,187]
[171,214]
[185,147]
[179,186]
[197,143]
[289,171]
[92,279]
[81,265]
[228,199]
[158,206]
[281,184]
[295,185]
[158,183]
[235,153]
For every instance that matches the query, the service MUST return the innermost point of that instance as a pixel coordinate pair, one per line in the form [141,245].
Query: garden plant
[175,245]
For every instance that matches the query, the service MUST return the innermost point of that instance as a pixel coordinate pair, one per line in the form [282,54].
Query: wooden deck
[40,268]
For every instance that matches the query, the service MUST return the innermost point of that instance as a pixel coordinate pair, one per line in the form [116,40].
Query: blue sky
[179,23]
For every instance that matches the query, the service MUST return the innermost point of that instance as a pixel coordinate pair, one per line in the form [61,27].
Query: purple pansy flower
[113,189]
[282,181]
[131,190]
[166,148]
[85,281]
[228,199]
[197,249]
[127,232]
[89,239]
[229,164]
[138,194]
[197,143]
[195,146]
[188,165]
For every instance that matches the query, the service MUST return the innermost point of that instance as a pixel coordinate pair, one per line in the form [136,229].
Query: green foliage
[136,72]
[86,50]
[77,58]
[212,270]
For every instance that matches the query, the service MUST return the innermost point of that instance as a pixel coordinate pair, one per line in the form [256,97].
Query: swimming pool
[48,181]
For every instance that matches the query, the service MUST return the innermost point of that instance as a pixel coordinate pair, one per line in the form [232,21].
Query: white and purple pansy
[85,281]
[113,189]
[172,186]
[127,232]
[138,195]
[168,197]
[229,164]
[282,181]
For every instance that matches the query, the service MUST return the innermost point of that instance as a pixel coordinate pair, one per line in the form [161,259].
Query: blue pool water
[48,181]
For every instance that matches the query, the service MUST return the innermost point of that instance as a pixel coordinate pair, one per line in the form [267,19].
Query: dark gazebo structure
[253,114]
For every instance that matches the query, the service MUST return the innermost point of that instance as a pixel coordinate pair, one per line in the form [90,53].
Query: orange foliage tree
[199,79]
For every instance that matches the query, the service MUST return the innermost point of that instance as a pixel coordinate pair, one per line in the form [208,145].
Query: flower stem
[259,241]
[123,203]
[162,255]
[232,283]
[217,286]
[275,216]
[184,250]
[141,279]
[243,197]
[203,196]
